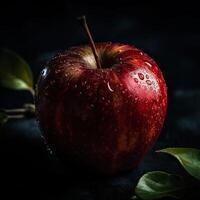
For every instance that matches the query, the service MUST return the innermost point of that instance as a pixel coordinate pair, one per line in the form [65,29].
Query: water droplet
[49,150]
[120,60]
[52,82]
[136,80]
[150,65]
[66,74]
[44,72]
[80,93]
[75,86]
[103,98]
[148,82]
[147,76]
[88,87]
[84,82]
[141,76]
[57,71]
[108,84]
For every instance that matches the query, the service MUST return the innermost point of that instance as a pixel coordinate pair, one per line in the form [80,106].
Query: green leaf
[3,118]
[14,71]
[188,157]
[158,184]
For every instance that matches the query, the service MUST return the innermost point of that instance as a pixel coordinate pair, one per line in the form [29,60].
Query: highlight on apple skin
[101,119]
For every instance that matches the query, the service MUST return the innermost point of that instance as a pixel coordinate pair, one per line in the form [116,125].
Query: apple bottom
[84,165]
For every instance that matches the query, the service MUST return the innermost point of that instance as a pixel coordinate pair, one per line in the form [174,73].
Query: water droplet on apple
[44,71]
[108,84]
[80,93]
[147,76]
[88,87]
[136,80]
[150,65]
[103,98]
[120,60]
[84,82]
[141,76]
[75,86]
[148,82]
[49,150]
[57,71]
[66,74]
[43,138]
[141,53]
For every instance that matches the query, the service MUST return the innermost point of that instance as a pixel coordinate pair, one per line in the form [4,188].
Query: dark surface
[167,32]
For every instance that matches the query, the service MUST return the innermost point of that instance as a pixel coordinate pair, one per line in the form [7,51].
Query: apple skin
[103,120]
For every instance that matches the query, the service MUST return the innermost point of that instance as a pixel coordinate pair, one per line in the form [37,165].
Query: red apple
[103,119]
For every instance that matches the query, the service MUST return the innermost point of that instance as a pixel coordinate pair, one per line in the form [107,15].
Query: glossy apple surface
[104,119]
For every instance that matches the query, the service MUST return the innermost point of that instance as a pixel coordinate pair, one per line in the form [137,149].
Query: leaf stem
[28,109]
[15,116]
[92,44]
[15,110]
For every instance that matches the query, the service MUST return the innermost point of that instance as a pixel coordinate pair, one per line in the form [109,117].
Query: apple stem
[94,50]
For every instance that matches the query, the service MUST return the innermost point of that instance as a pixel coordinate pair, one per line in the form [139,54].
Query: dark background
[168,32]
